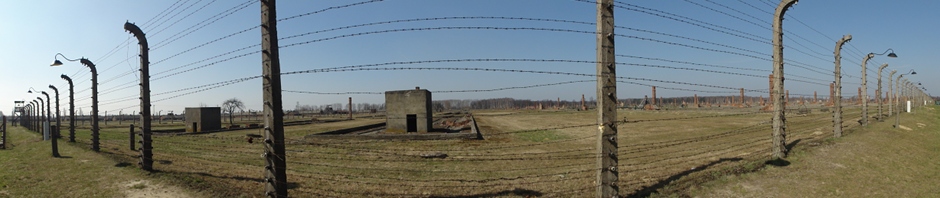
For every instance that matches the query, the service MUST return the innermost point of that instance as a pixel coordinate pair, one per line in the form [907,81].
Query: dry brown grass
[526,153]
[879,161]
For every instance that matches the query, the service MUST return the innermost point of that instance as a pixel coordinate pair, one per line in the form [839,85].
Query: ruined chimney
[583,108]
[770,98]
[653,102]
[859,95]
[350,107]
[832,93]
[815,99]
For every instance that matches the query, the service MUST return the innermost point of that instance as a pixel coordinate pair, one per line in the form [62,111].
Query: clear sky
[34,31]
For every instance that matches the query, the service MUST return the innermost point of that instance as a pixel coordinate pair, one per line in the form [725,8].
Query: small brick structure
[201,119]
[408,110]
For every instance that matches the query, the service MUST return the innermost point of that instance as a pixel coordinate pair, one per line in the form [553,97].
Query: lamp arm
[63,57]
[886,51]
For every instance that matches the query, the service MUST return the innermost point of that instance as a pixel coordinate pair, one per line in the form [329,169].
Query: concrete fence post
[275,173]
[837,88]
[146,149]
[607,173]
[3,136]
[350,108]
[779,149]
[131,136]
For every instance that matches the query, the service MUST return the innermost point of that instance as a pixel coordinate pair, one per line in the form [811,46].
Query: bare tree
[229,107]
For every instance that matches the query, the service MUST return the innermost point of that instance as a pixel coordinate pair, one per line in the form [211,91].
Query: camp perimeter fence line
[482,17]
[214,155]
[519,157]
[817,81]
[194,158]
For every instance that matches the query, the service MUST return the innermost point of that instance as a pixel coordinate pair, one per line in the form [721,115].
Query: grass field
[27,169]
[880,161]
[526,153]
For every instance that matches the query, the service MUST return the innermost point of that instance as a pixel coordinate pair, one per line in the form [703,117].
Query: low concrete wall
[347,130]
[420,136]
[474,129]
[343,134]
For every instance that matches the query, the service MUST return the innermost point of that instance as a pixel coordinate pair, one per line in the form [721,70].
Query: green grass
[27,169]
[541,136]
[547,152]
[873,161]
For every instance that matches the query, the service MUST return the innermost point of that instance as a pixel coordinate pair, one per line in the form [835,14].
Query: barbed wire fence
[710,113]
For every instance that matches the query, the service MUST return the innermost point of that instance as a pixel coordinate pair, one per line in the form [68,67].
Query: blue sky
[37,30]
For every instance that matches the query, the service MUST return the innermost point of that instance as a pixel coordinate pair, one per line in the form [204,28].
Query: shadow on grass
[647,191]
[792,144]
[123,164]
[64,157]
[778,162]
[290,185]
[513,192]
[783,162]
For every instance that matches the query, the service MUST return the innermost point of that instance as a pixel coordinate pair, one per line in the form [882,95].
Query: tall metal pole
[146,151]
[55,132]
[607,173]
[71,108]
[878,93]
[837,99]
[275,176]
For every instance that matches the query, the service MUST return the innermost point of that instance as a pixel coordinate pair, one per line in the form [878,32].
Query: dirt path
[878,162]
[148,189]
